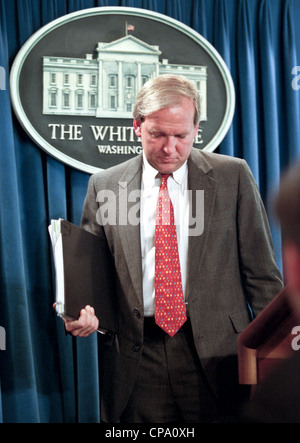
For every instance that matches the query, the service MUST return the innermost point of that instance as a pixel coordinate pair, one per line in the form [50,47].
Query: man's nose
[169,144]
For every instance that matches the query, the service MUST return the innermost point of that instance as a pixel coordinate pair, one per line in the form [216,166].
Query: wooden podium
[266,341]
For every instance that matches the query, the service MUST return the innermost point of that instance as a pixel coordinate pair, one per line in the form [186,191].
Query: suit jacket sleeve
[89,218]
[260,274]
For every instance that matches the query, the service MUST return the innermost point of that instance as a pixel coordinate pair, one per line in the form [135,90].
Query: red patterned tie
[169,302]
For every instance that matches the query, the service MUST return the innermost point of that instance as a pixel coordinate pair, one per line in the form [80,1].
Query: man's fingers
[86,324]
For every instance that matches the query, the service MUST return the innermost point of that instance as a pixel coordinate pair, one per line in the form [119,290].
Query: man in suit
[226,259]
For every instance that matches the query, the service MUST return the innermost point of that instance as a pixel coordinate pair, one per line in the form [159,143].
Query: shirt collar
[149,173]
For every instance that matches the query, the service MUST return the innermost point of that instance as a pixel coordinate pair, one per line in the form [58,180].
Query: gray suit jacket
[231,266]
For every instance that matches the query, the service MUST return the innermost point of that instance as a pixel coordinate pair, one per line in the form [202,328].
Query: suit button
[136,348]
[137,312]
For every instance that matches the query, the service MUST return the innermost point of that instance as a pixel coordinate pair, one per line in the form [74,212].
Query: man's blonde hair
[165,91]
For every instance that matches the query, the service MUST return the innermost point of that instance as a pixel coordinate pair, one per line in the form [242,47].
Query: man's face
[167,136]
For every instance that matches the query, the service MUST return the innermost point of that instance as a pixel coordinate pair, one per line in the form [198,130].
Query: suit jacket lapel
[199,180]
[128,212]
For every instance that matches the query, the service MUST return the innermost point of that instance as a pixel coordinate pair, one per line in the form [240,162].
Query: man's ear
[291,257]
[137,128]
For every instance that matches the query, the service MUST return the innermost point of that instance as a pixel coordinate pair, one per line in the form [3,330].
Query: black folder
[85,273]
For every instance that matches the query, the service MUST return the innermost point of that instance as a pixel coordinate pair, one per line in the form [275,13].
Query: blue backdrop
[47,376]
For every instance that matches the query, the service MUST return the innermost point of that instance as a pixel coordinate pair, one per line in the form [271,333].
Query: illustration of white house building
[106,86]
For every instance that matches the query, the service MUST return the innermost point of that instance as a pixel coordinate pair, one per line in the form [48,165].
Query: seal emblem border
[38,35]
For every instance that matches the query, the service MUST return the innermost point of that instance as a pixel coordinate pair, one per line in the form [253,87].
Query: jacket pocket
[239,320]
[108,338]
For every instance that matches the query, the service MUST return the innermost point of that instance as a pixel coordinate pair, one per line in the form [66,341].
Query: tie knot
[164,178]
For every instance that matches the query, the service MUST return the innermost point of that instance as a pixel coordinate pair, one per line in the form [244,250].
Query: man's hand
[86,324]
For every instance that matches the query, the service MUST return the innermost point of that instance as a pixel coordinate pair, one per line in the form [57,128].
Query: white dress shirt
[177,185]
